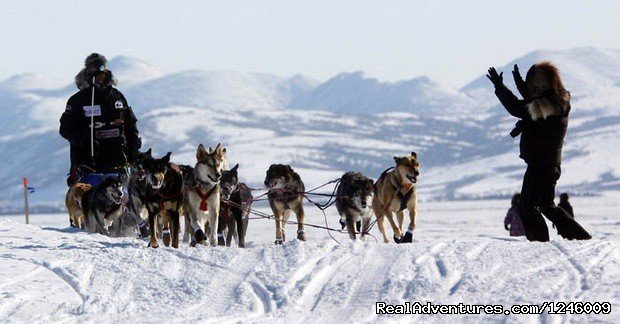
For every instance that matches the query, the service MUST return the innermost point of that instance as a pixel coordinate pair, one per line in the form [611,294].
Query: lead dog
[236,201]
[73,201]
[285,195]
[102,205]
[202,196]
[394,192]
[353,199]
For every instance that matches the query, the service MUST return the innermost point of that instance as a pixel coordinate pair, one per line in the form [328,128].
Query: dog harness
[161,199]
[204,197]
[225,206]
[283,195]
[404,197]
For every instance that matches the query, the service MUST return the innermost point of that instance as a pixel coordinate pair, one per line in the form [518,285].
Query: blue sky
[450,41]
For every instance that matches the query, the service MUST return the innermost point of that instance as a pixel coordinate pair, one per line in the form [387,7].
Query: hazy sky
[450,41]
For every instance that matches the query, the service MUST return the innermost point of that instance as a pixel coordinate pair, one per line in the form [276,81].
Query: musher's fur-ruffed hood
[549,97]
[81,80]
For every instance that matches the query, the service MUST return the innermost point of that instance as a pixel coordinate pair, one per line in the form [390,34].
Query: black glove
[521,86]
[497,79]
[517,130]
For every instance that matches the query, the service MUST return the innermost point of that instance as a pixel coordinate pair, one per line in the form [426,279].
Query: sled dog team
[216,206]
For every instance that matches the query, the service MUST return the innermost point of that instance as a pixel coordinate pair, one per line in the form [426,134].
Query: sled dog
[236,201]
[286,193]
[163,198]
[202,196]
[136,189]
[395,191]
[102,205]
[353,199]
[73,201]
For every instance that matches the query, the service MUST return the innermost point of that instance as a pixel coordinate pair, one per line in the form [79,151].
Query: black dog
[353,199]
[102,205]
[136,188]
[164,198]
[236,201]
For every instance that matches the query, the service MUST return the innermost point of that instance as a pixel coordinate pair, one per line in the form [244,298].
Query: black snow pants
[537,196]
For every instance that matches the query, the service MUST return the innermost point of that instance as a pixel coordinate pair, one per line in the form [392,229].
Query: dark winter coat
[513,222]
[541,140]
[115,132]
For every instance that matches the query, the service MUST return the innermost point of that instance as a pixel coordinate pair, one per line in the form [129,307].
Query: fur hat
[93,62]
[96,60]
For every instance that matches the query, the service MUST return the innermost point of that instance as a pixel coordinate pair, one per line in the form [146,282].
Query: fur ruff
[545,107]
[81,80]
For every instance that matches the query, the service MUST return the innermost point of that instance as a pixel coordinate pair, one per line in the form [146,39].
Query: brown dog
[394,192]
[73,201]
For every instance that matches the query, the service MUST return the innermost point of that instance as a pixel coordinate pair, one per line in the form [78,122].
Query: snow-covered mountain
[350,122]
[131,70]
[217,89]
[589,73]
[357,94]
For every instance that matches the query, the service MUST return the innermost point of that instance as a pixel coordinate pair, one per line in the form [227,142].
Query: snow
[460,254]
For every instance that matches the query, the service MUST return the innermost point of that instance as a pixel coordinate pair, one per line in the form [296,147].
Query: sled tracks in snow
[49,275]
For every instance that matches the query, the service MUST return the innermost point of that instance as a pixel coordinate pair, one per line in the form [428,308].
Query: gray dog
[102,205]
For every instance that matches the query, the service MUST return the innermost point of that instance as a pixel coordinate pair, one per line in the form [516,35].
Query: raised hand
[497,79]
[521,86]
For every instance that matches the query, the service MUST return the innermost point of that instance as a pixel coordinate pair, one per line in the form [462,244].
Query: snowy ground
[461,254]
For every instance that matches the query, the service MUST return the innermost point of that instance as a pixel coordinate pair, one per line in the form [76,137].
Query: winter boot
[220,239]
[571,230]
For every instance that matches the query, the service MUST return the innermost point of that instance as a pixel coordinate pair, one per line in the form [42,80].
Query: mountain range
[349,122]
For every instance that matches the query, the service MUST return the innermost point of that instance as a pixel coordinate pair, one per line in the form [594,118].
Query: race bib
[91,111]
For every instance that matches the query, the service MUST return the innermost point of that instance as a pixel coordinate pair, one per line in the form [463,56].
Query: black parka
[541,140]
[115,129]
